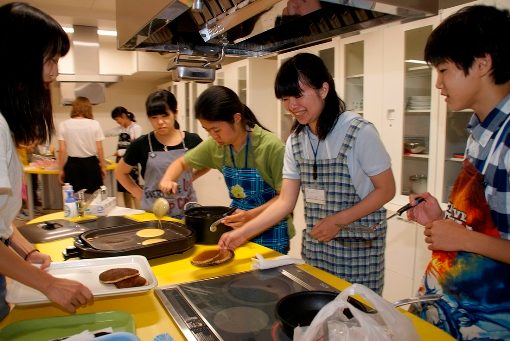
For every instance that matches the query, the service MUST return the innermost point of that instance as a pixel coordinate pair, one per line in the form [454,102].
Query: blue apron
[248,190]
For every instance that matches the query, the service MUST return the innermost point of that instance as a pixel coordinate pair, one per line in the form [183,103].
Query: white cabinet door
[410,112]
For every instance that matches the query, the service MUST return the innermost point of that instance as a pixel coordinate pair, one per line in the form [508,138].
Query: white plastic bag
[388,324]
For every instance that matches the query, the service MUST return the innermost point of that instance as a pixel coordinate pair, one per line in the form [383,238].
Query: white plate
[87,272]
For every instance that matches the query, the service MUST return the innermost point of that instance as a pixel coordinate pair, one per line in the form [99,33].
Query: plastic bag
[331,323]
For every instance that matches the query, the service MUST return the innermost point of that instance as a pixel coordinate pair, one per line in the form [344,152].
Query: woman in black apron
[127,131]
[154,152]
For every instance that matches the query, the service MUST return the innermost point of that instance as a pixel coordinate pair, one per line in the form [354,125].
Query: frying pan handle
[192,204]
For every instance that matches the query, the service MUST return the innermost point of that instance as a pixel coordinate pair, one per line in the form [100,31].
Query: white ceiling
[100,13]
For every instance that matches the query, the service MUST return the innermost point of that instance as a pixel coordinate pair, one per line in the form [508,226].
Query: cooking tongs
[374,227]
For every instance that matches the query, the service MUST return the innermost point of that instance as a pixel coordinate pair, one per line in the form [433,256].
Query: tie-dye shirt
[476,299]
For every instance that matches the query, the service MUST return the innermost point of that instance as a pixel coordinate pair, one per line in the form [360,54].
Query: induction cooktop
[235,307]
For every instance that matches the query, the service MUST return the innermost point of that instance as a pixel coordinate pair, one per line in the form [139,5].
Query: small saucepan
[200,218]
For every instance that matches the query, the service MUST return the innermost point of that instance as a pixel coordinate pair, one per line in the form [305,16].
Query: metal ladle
[160,208]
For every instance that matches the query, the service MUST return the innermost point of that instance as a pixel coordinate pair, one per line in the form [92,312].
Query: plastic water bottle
[70,206]
[66,187]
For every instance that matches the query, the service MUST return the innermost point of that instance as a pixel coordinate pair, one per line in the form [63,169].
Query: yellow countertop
[150,317]
[110,166]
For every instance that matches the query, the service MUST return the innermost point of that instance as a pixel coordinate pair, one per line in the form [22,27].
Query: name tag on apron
[315,195]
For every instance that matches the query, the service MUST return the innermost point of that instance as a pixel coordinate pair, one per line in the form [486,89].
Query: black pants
[83,172]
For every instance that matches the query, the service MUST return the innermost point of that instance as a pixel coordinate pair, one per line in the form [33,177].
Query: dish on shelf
[458,155]
[414,147]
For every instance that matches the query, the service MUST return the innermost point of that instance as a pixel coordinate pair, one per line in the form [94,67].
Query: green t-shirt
[265,153]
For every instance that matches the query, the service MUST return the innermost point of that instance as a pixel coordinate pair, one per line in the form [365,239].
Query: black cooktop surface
[235,307]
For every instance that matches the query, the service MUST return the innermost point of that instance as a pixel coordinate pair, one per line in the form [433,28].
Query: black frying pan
[300,308]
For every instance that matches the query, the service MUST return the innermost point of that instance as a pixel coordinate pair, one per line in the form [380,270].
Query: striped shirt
[496,177]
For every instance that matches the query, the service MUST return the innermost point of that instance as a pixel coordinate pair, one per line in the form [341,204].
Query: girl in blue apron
[249,157]
[154,152]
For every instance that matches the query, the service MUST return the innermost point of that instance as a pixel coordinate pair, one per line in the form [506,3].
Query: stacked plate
[418,103]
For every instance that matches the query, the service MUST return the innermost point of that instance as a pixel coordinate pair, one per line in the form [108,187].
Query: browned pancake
[131,282]
[117,274]
[212,257]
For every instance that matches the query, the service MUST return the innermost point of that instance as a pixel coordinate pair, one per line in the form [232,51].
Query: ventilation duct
[86,81]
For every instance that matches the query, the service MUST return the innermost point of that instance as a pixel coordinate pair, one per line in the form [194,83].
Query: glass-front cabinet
[410,108]
[417,120]
[354,75]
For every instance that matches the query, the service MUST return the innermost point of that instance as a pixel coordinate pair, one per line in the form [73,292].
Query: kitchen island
[150,316]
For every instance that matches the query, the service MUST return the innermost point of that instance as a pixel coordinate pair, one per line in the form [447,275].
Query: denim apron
[248,190]
[157,164]
[476,297]
[356,256]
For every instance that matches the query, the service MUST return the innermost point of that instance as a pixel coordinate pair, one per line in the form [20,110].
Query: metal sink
[59,228]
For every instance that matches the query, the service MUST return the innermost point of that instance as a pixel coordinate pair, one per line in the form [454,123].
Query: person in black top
[155,151]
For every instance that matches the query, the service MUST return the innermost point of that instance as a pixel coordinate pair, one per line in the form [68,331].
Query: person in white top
[81,156]
[127,130]
[25,119]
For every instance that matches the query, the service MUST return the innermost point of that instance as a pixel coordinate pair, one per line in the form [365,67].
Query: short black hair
[159,101]
[470,33]
[311,70]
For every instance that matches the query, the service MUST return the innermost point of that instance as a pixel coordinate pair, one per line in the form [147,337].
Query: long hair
[311,70]
[29,37]
[471,33]
[219,103]
[81,107]
[118,111]
[159,102]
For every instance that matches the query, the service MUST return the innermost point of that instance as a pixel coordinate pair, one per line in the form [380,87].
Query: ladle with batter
[160,208]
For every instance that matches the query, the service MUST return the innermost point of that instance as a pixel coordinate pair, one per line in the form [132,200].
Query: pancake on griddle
[153,241]
[150,233]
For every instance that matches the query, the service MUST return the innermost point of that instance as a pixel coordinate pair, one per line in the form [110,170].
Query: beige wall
[131,94]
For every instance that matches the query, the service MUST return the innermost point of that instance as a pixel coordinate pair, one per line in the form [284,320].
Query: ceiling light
[110,33]
[415,61]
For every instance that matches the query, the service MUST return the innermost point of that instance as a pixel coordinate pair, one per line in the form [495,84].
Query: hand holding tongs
[214,226]
[373,227]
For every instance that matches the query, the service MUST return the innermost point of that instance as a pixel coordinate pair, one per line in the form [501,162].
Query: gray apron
[357,257]
[157,164]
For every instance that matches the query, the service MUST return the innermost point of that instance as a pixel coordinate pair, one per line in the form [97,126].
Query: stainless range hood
[86,80]
[250,27]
